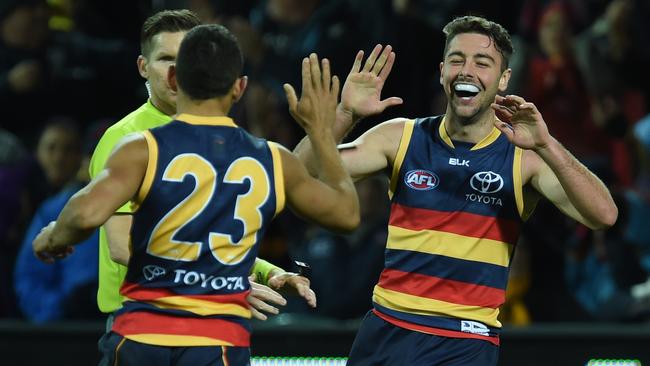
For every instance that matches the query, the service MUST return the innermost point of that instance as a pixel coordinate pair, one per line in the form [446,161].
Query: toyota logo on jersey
[486,182]
[421,180]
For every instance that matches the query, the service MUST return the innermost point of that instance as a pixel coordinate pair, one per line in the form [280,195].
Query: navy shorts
[117,350]
[379,342]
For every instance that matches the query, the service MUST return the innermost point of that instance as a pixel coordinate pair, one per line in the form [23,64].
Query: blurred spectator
[638,199]
[24,73]
[555,85]
[613,63]
[58,155]
[65,289]
[45,73]
[291,29]
[514,311]
[601,269]
[345,268]
[13,172]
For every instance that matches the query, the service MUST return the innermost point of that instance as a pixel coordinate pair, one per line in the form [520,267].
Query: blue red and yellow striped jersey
[207,196]
[456,211]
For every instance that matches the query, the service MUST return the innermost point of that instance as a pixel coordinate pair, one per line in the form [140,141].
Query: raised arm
[94,204]
[551,169]
[361,97]
[331,201]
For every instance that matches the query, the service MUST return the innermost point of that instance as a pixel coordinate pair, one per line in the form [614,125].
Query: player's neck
[216,107]
[469,130]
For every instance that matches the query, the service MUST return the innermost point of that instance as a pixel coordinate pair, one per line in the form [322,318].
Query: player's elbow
[350,217]
[86,216]
[607,218]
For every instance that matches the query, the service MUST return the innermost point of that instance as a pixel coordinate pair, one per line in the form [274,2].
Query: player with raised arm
[461,185]
[204,191]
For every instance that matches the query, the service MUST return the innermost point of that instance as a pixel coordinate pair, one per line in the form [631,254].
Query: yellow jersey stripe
[401,153]
[487,140]
[423,306]
[150,173]
[199,307]
[516,181]
[439,243]
[206,120]
[176,340]
[278,177]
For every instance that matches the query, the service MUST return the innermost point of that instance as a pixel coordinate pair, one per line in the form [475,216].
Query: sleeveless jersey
[455,217]
[207,196]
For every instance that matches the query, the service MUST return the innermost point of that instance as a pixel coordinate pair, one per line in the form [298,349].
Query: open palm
[361,95]
[521,122]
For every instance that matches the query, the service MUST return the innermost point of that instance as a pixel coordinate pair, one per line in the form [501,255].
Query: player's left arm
[95,203]
[551,169]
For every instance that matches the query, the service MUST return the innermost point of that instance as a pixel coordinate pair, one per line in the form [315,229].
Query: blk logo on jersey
[421,180]
[458,162]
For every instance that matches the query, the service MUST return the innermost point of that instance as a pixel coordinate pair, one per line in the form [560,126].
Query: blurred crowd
[68,71]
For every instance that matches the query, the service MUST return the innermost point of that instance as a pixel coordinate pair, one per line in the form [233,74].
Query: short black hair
[166,21]
[208,62]
[475,24]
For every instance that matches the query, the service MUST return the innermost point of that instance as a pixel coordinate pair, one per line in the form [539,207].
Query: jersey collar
[486,141]
[206,120]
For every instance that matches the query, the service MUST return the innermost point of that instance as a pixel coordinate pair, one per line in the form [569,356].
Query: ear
[441,65]
[239,87]
[171,78]
[142,67]
[505,78]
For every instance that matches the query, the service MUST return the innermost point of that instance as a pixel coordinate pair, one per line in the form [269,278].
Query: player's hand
[42,248]
[361,95]
[261,297]
[521,122]
[316,109]
[294,282]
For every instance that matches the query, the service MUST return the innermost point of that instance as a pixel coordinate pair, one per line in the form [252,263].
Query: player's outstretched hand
[315,111]
[261,297]
[521,122]
[294,282]
[42,249]
[361,95]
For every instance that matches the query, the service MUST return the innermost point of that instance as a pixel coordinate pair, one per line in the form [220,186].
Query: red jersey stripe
[456,222]
[134,323]
[139,293]
[434,331]
[456,292]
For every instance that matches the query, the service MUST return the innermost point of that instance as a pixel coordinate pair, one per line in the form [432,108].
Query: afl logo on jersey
[421,180]
[486,182]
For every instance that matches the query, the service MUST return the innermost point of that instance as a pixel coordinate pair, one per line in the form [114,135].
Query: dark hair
[208,62]
[474,24]
[166,21]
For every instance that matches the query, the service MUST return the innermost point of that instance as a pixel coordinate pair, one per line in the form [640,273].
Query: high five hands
[315,110]
[361,95]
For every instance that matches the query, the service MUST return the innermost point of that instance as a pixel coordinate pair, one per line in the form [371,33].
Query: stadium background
[573,296]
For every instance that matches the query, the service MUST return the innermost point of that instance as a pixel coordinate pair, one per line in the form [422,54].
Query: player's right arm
[118,226]
[361,97]
[331,200]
